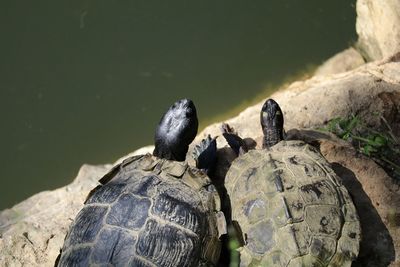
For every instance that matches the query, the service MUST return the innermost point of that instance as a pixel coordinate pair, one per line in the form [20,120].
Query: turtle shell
[148,212]
[292,208]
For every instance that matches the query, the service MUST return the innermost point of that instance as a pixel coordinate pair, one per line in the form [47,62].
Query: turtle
[153,209]
[288,205]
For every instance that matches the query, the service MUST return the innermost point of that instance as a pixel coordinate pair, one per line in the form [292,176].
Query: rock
[346,60]
[378,28]
[377,198]
[33,231]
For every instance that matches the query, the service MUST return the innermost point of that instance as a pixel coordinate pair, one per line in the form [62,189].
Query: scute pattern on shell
[292,208]
[150,212]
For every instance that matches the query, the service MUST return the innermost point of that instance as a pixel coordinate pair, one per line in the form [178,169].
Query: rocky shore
[363,80]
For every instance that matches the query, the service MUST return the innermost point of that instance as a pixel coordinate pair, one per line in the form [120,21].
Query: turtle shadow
[225,157]
[376,247]
[311,137]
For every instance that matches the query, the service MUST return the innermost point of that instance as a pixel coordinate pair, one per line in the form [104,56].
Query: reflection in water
[86,82]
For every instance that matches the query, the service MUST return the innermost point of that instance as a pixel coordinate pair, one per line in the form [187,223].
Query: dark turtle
[290,206]
[152,210]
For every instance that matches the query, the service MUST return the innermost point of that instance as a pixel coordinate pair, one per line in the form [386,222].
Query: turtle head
[271,118]
[176,130]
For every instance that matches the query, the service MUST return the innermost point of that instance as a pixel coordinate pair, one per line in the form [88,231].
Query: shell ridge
[253,163]
[241,171]
[144,259]
[78,246]
[164,221]
[116,227]
[289,169]
[98,234]
[95,204]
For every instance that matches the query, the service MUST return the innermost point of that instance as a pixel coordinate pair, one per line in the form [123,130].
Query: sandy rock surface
[378,28]
[346,60]
[33,231]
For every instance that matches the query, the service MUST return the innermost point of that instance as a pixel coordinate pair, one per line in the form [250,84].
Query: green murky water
[87,81]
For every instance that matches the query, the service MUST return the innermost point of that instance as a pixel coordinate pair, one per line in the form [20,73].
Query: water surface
[87,81]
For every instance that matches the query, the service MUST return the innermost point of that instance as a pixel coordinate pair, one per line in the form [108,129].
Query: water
[87,81]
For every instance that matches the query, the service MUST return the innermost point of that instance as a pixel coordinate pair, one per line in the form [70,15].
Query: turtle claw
[226,128]
[233,139]
[205,153]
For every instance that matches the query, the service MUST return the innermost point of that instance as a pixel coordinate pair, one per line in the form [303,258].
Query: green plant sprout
[233,246]
[382,146]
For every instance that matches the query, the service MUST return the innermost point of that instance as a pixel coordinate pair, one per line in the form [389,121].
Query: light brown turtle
[289,205]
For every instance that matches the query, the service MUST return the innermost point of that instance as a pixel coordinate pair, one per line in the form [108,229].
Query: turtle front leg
[205,153]
[234,140]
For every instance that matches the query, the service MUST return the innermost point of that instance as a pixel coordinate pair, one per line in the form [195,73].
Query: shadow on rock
[225,156]
[376,248]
